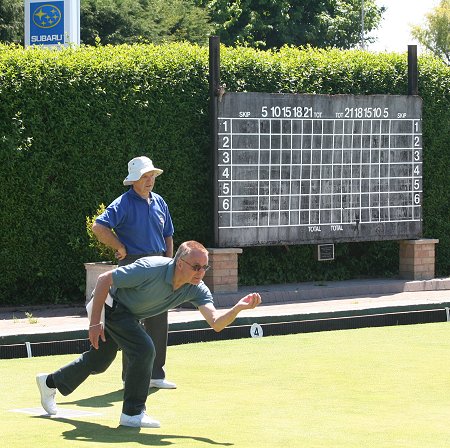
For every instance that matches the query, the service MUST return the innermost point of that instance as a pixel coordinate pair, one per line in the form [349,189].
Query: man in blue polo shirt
[144,288]
[138,224]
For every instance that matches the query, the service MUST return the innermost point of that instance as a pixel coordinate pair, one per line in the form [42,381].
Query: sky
[394,31]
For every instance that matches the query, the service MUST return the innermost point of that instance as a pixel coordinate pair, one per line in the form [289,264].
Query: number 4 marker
[256,331]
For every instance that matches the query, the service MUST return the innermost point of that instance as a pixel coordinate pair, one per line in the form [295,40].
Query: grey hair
[187,247]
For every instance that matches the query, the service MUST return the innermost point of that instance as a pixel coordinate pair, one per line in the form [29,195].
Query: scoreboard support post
[417,257]
[223,275]
[214,85]
[413,75]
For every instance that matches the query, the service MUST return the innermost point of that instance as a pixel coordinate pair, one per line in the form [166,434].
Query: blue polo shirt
[141,226]
[145,288]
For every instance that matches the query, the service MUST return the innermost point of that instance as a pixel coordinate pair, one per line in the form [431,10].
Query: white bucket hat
[137,167]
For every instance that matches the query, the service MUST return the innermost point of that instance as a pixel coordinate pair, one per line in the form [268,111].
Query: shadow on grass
[102,401]
[94,432]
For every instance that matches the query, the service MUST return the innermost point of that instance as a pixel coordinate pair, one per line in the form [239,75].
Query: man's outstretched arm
[218,320]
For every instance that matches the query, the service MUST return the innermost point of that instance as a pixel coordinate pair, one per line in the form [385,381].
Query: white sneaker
[47,394]
[141,420]
[162,384]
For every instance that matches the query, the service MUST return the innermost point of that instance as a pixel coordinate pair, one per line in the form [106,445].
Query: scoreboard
[304,169]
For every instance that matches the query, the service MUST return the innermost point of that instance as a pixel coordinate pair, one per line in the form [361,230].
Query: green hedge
[71,119]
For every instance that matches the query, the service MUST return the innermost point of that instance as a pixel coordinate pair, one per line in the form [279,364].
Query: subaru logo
[47,16]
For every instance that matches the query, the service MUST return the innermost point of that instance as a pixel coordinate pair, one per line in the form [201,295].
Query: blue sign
[47,23]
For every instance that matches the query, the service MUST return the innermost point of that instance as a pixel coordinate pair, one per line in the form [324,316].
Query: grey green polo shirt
[145,287]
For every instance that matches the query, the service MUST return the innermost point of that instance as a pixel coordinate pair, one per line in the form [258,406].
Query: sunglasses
[196,267]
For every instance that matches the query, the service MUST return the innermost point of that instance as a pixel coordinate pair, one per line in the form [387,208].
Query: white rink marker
[62,413]
[256,331]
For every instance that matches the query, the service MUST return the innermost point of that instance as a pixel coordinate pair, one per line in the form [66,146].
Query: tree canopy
[121,21]
[128,21]
[256,23]
[274,23]
[435,34]
[11,21]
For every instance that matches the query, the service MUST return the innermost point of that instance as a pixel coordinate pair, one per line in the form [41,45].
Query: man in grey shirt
[144,288]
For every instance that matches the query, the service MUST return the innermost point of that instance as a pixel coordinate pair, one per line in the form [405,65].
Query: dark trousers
[157,328]
[124,331]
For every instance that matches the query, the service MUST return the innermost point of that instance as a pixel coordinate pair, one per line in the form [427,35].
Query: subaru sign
[52,23]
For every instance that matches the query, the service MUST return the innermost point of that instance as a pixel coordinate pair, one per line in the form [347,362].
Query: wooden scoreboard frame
[314,169]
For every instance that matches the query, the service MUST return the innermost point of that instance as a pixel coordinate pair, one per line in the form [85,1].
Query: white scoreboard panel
[301,169]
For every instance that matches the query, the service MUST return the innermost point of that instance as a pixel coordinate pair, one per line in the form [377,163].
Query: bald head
[189,246]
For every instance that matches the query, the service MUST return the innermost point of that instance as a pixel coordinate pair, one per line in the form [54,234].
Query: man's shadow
[94,432]
[102,401]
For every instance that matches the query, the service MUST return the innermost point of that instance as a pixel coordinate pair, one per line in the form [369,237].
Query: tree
[128,21]
[181,20]
[109,21]
[11,21]
[121,21]
[435,34]
[273,23]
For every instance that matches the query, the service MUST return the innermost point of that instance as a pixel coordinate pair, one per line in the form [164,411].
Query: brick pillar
[223,274]
[417,259]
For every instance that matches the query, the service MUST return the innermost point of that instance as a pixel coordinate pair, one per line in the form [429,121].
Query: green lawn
[376,387]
